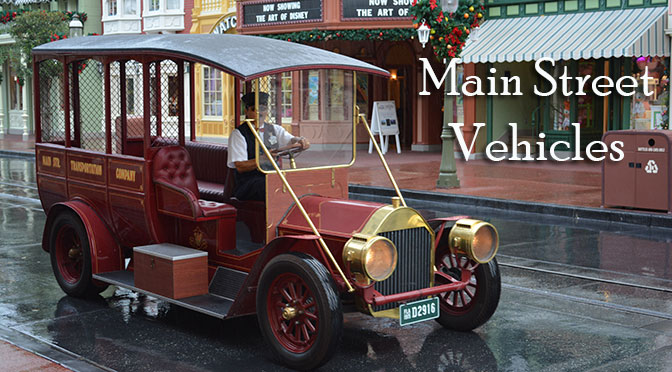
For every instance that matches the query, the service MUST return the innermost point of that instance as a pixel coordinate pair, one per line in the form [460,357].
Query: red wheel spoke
[310,325]
[292,290]
[286,295]
[310,315]
[304,330]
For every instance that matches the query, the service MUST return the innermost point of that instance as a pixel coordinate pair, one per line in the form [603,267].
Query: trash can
[642,178]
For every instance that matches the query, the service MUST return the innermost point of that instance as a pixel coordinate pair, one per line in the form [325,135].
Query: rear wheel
[472,306]
[299,311]
[70,256]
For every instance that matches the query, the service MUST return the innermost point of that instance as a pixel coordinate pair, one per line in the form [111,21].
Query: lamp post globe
[449,6]
[76,27]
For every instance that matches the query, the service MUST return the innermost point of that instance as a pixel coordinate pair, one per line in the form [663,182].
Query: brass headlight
[477,239]
[373,256]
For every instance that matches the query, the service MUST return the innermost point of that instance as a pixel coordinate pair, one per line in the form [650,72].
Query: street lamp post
[447,169]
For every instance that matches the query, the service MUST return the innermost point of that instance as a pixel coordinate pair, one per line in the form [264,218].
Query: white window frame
[205,80]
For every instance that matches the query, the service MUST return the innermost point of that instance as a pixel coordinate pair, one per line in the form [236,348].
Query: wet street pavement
[576,296]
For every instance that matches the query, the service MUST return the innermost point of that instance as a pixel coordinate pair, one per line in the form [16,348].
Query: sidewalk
[17,359]
[569,183]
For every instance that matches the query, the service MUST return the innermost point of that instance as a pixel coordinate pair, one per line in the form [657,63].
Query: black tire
[318,299]
[71,256]
[472,307]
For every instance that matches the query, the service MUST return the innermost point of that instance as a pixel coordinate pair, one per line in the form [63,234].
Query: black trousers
[251,188]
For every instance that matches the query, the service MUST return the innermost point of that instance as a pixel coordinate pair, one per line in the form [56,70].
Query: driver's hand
[304,143]
[274,152]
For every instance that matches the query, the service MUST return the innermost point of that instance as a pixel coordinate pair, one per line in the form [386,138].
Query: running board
[208,304]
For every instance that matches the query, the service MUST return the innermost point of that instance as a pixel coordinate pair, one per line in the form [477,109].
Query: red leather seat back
[173,164]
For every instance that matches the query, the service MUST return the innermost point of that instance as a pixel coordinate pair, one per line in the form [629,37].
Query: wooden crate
[171,270]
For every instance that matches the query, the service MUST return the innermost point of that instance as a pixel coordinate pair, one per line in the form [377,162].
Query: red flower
[440,17]
[414,2]
[432,4]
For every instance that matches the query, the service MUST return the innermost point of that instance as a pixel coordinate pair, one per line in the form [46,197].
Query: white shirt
[238,146]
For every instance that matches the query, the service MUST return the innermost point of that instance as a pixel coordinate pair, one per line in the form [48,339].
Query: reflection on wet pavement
[545,320]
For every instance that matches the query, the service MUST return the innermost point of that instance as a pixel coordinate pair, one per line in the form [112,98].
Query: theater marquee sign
[374,9]
[281,12]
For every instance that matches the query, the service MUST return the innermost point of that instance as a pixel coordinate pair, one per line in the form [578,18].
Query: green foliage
[448,32]
[30,29]
[394,34]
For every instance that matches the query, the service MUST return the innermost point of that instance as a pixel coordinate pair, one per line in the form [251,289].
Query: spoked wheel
[299,310]
[472,306]
[70,256]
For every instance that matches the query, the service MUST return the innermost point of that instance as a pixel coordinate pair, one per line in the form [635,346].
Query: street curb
[383,194]
[17,154]
[51,352]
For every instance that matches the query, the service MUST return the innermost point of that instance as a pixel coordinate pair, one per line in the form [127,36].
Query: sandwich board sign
[384,123]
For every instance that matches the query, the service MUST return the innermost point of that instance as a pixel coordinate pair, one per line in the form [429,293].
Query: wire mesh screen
[134,99]
[115,107]
[52,102]
[268,84]
[88,103]
[164,96]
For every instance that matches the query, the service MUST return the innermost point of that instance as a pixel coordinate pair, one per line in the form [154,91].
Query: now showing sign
[282,12]
[368,9]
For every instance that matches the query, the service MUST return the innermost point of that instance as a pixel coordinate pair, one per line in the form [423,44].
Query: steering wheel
[290,151]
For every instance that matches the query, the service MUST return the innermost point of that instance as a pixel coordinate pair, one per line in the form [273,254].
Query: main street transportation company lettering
[86,168]
[125,174]
[367,9]
[282,12]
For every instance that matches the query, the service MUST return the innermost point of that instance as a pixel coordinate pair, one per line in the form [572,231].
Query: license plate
[419,311]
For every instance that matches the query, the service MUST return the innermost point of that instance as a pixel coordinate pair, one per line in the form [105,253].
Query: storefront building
[16,112]
[377,32]
[215,101]
[613,38]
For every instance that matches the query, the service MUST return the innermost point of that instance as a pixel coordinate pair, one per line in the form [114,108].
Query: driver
[250,182]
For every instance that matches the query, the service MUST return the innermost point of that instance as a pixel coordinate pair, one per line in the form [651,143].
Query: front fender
[245,303]
[105,252]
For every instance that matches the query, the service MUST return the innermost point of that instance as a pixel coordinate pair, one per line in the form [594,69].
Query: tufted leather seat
[176,188]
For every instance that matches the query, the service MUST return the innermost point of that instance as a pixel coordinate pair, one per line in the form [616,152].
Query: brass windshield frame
[354,131]
[281,174]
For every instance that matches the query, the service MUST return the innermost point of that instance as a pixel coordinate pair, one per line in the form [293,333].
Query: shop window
[130,95]
[650,112]
[111,8]
[311,95]
[172,4]
[212,93]
[172,95]
[363,94]
[335,107]
[286,97]
[130,7]
[154,5]
[587,104]
[16,95]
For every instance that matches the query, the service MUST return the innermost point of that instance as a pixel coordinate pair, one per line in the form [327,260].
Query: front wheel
[299,311]
[472,306]
[70,256]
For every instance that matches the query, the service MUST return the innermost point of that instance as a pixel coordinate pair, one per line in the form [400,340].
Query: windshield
[307,117]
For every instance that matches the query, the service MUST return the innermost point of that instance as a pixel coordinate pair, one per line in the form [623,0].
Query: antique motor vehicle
[135,197]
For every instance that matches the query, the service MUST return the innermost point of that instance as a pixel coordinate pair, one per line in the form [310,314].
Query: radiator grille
[414,250]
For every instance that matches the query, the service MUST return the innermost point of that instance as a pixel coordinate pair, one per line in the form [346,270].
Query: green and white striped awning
[604,34]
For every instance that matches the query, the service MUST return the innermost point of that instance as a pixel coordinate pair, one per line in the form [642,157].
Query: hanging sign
[283,12]
[371,9]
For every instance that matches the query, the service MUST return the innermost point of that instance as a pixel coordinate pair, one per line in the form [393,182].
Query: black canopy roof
[246,57]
